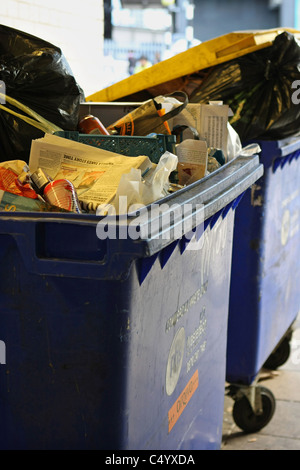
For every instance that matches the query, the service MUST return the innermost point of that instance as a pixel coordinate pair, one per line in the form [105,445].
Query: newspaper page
[213,122]
[210,120]
[95,173]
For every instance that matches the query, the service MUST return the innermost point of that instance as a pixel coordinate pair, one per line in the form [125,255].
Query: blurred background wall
[101,37]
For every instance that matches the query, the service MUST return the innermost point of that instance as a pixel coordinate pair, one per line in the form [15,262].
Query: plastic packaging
[234,145]
[9,181]
[136,189]
[10,202]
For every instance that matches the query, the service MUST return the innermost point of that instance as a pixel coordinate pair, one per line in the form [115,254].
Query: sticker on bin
[178,407]
[175,359]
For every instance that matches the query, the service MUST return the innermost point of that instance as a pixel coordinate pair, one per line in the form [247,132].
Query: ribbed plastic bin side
[119,342]
[265,266]
[132,146]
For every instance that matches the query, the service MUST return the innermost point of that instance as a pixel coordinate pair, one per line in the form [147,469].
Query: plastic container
[90,124]
[120,342]
[132,146]
[60,193]
[266,270]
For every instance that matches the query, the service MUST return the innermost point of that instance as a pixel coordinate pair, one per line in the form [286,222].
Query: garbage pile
[75,177]
[256,73]
[44,169]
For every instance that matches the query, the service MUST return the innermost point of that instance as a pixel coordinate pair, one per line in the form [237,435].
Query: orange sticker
[183,399]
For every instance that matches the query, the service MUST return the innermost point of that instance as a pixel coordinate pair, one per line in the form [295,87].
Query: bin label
[175,359]
[178,407]
[196,341]
[185,308]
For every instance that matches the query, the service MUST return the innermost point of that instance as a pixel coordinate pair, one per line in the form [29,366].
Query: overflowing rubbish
[256,73]
[94,172]
[16,192]
[66,162]
[69,175]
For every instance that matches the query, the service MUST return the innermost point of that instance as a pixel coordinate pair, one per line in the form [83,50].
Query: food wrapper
[9,172]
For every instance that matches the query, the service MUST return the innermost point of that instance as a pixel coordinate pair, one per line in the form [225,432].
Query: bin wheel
[244,416]
[279,356]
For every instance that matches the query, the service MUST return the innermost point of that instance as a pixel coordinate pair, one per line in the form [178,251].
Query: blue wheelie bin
[115,329]
[264,293]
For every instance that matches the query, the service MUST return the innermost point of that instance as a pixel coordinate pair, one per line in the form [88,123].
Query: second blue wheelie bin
[264,294]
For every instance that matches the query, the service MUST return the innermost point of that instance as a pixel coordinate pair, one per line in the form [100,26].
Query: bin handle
[26,240]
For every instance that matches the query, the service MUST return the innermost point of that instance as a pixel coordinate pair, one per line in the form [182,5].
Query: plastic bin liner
[258,87]
[37,74]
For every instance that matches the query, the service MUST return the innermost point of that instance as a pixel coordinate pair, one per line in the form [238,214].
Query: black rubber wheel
[279,356]
[246,419]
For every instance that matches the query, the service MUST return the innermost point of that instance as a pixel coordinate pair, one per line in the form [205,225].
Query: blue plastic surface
[265,262]
[117,344]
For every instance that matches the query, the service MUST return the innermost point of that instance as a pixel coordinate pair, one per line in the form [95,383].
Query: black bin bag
[261,89]
[36,74]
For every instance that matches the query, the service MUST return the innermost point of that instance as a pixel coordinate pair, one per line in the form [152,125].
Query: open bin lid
[66,244]
[207,54]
